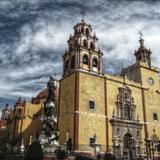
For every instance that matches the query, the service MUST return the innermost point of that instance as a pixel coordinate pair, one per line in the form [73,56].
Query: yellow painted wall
[29,125]
[66,110]
[152,99]
[91,121]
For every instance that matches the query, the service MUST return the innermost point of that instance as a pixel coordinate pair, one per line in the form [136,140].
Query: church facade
[121,111]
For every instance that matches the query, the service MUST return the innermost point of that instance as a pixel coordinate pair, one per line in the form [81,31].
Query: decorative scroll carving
[125,104]
[126,126]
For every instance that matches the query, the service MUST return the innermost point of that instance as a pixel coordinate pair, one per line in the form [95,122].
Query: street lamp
[148,148]
[152,148]
[158,147]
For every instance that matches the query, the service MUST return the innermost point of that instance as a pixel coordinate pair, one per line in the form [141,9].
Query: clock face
[150,81]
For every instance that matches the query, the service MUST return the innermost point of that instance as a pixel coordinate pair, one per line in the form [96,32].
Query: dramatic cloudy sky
[33,35]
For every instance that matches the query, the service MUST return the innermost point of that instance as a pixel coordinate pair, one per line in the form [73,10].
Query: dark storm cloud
[33,37]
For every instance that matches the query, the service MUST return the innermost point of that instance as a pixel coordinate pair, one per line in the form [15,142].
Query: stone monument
[48,135]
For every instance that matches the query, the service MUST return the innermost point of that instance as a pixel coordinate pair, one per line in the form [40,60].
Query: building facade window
[85,59]
[87,31]
[92,46]
[95,62]
[91,104]
[72,62]
[82,29]
[71,46]
[85,44]
[76,43]
[67,65]
[76,31]
[155,117]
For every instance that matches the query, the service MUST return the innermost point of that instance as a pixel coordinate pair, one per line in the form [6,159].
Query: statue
[51,86]
[49,105]
[48,135]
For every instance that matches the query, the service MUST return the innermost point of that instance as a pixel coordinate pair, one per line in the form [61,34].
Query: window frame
[89,102]
[73,63]
[85,43]
[92,46]
[85,56]
[155,116]
[95,59]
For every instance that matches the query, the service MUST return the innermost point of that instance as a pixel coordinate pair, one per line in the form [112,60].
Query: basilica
[120,111]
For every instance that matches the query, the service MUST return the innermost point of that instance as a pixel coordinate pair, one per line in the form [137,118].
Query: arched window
[85,44]
[72,62]
[67,65]
[85,59]
[71,46]
[87,31]
[76,43]
[95,62]
[82,29]
[127,112]
[92,46]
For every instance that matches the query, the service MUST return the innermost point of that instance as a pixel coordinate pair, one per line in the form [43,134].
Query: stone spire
[143,54]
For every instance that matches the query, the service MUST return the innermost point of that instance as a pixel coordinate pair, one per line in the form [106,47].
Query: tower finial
[141,40]
[140,34]
[83,13]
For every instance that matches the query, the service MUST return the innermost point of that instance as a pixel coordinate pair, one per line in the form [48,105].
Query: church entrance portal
[129,147]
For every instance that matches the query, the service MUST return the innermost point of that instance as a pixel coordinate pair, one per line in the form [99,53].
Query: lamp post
[148,148]
[154,140]
[158,148]
[152,148]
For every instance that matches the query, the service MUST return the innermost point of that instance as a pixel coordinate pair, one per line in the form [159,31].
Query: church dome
[42,96]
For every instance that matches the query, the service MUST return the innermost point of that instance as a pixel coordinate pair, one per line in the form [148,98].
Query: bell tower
[143,54]
[83,53]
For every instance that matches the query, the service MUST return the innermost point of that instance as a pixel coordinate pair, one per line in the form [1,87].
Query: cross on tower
[54,74]
[83,13]
[140,34]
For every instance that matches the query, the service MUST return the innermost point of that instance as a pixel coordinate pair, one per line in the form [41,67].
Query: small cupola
[143,54]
